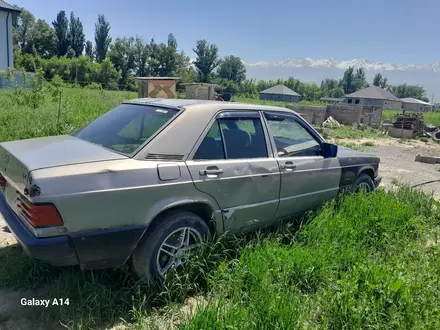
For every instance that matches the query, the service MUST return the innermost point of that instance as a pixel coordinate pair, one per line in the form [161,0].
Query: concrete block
[401,133]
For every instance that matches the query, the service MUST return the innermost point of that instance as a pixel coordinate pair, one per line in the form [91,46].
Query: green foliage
[24,25]
[44,39]
[29,114]
[122,56]
[89,49]
[76,35]
[141,57]
[61,26]
[102,38]
[232,68]
[70,53]
[331,88]
[172,42]
[33,98]
[380,81]
[404,90]
[207,60]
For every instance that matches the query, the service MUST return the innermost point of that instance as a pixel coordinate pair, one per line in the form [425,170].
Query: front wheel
[169,244]
[364,183]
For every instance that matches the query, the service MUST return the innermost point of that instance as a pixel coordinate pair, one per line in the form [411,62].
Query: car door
[233,163]
[307,178]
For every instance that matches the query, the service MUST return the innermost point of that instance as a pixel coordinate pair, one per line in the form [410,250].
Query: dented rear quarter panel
[116,193]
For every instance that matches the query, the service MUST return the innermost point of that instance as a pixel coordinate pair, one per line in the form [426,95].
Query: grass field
[362,262]
[80,106]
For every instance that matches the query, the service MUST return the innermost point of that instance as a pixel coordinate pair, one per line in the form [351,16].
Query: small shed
[412,104]
[280,93]
[200,91]
[157,87]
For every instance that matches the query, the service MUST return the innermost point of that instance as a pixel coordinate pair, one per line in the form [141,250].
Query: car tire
[364,181]
[147,255]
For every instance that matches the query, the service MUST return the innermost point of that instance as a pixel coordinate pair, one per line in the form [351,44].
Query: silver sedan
[153,178]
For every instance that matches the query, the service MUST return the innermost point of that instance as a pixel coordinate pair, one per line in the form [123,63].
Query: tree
[347,82]
[380,81]
[331,88]
[23,26]
[404,90]
[172,42]
[121,54]
[102,38]
[76,35]
[70,53]
[141,54]
[44,39]
[89,49]
[232,68]
[207,60]
[61,26]
[164,60]
[360,81]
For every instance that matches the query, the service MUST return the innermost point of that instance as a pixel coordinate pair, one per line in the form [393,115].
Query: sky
[392,31]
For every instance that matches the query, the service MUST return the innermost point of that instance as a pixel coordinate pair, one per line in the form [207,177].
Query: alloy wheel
[176,247]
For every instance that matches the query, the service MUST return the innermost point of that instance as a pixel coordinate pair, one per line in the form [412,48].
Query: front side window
[291,138]
[126,128]
[233,138]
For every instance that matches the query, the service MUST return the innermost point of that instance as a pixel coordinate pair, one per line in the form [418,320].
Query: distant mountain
[315,70]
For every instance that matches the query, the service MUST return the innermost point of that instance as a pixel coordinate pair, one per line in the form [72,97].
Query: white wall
[3,47]
[416,107]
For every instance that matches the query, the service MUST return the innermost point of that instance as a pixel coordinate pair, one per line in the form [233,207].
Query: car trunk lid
[19,158]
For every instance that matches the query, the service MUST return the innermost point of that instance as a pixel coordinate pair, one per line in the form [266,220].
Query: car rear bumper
[56,251]
[105,248]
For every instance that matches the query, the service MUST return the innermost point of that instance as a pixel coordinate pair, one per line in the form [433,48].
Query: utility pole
[432,103]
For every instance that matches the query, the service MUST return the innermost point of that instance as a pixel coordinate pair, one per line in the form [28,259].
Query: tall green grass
[361,262]
[365,263]
[79,106]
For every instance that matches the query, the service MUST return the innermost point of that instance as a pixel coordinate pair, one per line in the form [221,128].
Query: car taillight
[2,182]
[38,215]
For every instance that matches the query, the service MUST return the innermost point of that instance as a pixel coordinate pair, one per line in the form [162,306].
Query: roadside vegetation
[360,262]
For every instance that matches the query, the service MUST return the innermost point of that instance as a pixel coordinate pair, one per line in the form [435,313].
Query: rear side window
[127,127]
[233,138]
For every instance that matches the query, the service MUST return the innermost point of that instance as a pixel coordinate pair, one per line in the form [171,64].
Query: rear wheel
[364,183]
[169,244]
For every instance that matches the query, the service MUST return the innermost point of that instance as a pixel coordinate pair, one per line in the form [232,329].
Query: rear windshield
[126,128]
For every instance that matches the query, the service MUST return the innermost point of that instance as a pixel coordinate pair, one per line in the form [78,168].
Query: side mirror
[329,150]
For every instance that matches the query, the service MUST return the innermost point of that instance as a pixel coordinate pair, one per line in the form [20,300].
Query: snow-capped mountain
[308,62]
[315,70]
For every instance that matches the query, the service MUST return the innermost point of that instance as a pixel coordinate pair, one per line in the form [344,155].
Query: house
[375,96]
[280,93]
[412,104]
[6,49]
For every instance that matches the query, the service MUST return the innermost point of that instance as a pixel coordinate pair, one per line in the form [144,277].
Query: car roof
[214,106]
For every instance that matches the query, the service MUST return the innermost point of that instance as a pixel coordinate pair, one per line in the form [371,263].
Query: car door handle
[288,166]
[211,172]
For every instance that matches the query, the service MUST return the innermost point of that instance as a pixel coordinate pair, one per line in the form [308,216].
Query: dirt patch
[397,162]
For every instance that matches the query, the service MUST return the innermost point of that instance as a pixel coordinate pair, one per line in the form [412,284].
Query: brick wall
[344,113]
[313,114]
[200,92]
